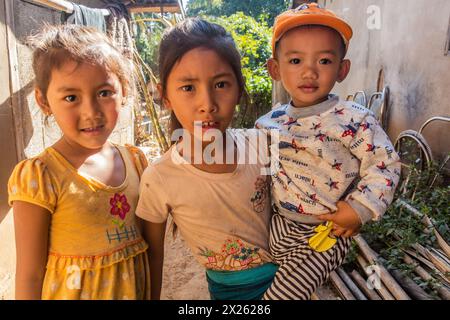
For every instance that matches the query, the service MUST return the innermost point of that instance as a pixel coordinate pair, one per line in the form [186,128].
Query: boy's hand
[346,221]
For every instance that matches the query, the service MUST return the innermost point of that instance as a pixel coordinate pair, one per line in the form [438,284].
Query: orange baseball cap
[309,14]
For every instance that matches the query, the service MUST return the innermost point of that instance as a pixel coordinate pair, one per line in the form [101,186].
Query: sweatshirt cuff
[365,215]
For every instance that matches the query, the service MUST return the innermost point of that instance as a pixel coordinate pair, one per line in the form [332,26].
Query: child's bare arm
[154,235]
[31,225]
[346,221]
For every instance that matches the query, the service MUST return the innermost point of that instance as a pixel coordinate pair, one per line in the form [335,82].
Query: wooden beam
[63,5]
[14,81]
[155,8]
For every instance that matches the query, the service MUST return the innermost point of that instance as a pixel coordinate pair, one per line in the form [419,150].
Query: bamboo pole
[425,219]
[372,258]
[413,289]
[152,112]
[428,264]
[141,69]
[351,285]
[382,290]
[443,292]
[439,263]
[408,284]
[442,243]
[422,255]
[427,222]
[340,286]
[359,280]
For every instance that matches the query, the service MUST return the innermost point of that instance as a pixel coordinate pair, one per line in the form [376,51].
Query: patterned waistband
[298,217]
[249,284]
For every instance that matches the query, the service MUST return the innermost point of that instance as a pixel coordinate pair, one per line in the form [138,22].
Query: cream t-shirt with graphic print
[224,218]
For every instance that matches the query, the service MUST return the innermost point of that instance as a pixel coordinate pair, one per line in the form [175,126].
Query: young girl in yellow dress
[77,236]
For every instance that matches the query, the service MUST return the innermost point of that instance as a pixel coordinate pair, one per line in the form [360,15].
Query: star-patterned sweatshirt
[332,151]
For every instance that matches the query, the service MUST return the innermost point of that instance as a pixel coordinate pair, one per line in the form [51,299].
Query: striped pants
[302,270]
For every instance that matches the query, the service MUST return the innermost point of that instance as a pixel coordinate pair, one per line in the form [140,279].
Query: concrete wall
[409,46]
[22,133]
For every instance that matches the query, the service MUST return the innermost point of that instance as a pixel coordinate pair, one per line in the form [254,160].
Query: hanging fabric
[85,16]
[118,27]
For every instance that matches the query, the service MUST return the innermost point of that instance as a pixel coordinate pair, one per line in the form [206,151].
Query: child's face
[202,87]
[85,101]
[308,63]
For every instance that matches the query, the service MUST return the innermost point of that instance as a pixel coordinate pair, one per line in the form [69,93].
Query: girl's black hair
[190,34]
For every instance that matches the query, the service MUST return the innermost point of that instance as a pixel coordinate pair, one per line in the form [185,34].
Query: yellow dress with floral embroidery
[96,250]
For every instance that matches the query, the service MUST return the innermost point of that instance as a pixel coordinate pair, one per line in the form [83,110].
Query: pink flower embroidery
[119,205]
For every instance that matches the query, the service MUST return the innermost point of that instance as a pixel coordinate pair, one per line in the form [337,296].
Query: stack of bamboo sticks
[432,265]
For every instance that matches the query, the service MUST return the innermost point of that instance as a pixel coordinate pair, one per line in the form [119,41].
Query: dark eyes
[321,61]
[218,85]
[221,84]
[105,93]
[102,94]
[70,98]
[188,88]
[325,61]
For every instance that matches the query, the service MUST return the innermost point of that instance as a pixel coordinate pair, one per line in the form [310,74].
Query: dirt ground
[183,278]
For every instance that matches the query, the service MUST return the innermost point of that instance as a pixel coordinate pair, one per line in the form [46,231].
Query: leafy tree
[249,22]
[253,41]
[204,8]
[148,36]
[261,10]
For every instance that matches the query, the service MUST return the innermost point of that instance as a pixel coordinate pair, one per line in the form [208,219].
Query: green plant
[149,31]
[261,10]
[148,36]
[252,39]
[400,230]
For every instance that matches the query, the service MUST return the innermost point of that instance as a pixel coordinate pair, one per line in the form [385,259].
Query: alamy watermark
[212,146]
[374,19]
[374,277]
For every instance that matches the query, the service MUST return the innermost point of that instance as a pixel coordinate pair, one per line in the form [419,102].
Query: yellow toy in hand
[321,241]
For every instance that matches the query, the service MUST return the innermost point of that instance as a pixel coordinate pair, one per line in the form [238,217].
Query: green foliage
[147,39]
[352,253]
[204,8]
[252,39]
[261,10]
[399,229]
